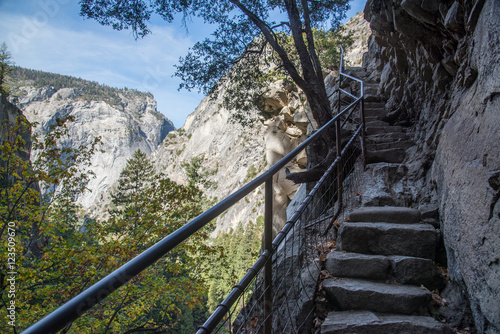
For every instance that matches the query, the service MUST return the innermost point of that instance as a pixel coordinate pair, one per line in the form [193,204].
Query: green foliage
[57,256]
[327,44]
[244,31]
[197,173]
[6,65]
[251,76]
[42,228]
[137,174]
[241,248]
[165,296]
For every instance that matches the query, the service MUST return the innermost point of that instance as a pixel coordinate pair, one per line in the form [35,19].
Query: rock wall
[134,124]
[438,64]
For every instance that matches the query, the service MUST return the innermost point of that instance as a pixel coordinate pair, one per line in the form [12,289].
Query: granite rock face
[360,31]
[134,124]
[233,153]
[438,64]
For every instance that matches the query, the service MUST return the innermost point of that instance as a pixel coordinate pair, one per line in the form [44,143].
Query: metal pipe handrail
[351,77]
[363,123]
[347,93]
[78,305]
[354,105]
[223,308]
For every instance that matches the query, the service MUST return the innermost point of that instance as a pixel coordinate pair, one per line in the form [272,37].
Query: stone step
[385,214]
[357,294]
[371,93]
[366,322]
[374,104]
[370,87]
[375,123]
[417,240]
[379,112]
[402,269]
[371,96]
[391,155]
[375,130]
[356,265]
[403,144]
[369,119]
[416,271]
[376,112]
[357,72]
[387,137]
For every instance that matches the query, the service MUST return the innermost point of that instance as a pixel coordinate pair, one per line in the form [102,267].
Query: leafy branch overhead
[242,28]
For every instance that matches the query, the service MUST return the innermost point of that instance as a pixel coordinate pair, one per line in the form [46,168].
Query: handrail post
[268,245]
[341,66]
[363,130]
[339,142]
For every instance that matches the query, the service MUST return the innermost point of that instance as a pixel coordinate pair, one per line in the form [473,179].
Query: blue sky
[49,35]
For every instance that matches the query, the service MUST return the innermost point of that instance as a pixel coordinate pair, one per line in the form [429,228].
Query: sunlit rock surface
[134,124]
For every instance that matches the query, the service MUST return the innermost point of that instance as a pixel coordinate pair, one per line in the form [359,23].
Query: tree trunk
[311,81]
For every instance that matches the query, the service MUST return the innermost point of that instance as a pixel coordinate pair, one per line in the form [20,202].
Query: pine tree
[6,64]
[138,173]
[128,197]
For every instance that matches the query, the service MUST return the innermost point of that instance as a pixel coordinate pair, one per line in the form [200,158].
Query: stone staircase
[383,269]
[383,262]
[385,142]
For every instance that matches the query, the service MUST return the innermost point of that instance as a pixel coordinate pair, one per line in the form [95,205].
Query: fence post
[339,143]
[363,130]
[268,245]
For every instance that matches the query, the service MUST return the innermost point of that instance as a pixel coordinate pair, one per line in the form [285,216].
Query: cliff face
[360,31]
[438,63]
[123,127]
[232,154]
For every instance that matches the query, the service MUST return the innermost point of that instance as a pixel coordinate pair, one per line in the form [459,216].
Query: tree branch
[283,23]
[310,41]
[271,39]
[116,312]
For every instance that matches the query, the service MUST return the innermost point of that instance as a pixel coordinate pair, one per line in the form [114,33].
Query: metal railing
[276,295]
[77,306]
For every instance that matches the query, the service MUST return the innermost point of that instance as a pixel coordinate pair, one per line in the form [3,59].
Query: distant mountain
[125,119]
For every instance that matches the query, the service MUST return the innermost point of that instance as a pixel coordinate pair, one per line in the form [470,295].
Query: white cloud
[99,53]
[52,37]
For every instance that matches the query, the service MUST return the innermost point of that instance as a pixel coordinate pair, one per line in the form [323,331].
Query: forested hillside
[85,89]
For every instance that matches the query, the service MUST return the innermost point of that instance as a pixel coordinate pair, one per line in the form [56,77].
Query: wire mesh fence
[298,255]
